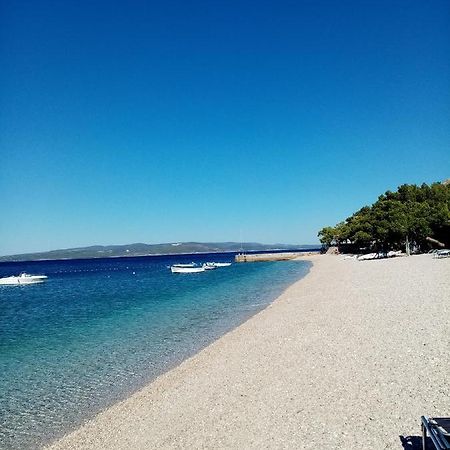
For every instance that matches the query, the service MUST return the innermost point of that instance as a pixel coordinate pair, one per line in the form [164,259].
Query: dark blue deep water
[97,330]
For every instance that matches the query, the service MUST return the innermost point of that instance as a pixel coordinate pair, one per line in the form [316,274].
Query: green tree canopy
[404,218]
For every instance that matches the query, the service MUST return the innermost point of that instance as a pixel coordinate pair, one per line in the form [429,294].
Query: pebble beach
[348,357]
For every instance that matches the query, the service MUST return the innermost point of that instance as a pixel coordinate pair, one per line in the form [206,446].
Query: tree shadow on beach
[414,442]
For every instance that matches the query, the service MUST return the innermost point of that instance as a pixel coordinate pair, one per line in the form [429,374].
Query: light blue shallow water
[97,330]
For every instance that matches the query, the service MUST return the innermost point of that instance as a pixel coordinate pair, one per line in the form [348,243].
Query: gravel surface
[349,357]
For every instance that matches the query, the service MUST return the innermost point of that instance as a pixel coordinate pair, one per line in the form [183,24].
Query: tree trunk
[408,250]
[435,241]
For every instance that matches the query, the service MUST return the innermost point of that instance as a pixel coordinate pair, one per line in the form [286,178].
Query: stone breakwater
[264,257]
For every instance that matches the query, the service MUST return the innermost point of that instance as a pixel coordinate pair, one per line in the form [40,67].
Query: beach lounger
[438,429]
[444,253]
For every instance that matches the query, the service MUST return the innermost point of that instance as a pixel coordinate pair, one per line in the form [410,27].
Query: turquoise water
[97,330]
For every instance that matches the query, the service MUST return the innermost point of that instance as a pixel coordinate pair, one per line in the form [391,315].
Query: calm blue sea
[97,330]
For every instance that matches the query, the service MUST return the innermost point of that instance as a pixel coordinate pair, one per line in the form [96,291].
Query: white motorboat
[219,264]
[23,278]
[192,264]
[209,266]
[214,265]
[178,269]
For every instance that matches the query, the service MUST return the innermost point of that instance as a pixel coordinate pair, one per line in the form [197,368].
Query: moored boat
[214,265]
[178,269]
[23,278]
[194,268]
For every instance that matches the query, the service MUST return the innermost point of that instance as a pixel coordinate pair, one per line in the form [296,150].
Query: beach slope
[349,357]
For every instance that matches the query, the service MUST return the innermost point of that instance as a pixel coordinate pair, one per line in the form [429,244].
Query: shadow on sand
[414,442]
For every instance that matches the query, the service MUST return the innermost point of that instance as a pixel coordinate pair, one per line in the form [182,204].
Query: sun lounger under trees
[411,218]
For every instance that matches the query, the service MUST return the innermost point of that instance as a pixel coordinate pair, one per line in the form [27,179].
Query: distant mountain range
[115,251]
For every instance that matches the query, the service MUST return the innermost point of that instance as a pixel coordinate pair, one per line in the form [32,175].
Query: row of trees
[414,218]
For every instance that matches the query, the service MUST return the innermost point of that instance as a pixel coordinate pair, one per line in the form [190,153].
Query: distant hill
[110,251]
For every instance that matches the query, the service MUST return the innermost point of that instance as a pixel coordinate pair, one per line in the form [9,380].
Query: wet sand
[349,357]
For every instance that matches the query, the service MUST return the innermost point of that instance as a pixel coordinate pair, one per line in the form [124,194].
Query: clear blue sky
[172,121]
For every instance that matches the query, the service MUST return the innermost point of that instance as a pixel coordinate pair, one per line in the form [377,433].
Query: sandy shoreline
[348,357]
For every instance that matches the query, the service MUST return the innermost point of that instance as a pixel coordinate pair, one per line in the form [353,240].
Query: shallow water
[97,330]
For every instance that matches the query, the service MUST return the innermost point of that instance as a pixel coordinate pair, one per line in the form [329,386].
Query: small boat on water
[215,265]
[219,264]
[23,278]
[194,268]
[177,269]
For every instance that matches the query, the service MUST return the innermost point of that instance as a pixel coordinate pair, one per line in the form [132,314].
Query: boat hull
[22,279]
[18,280]
[187,269]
